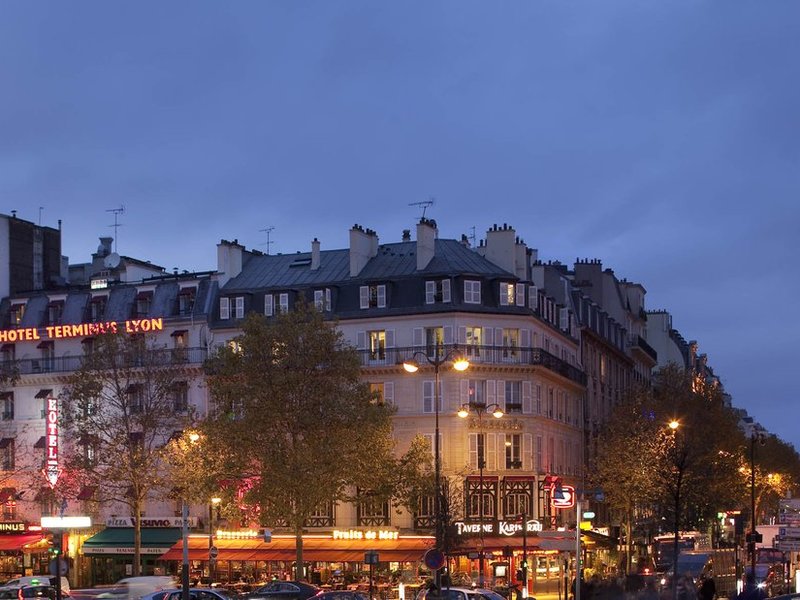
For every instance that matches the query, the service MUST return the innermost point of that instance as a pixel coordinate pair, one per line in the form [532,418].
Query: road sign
[213,552]
[790,532]
[568,497]
[434,559]
[789,545]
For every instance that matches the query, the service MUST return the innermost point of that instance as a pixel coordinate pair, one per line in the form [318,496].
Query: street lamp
[674,425]
[211,559]
[460,363]
[480,408]
[194,437]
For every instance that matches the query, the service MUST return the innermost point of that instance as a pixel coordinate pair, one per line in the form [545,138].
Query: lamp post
[412,366]
[194,437]
[211,559]
[480,408]
[673,425]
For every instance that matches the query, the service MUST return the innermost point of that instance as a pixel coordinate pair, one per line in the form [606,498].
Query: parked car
[136,587]
[285,590]
[194,594]
[40,591]
[462,593]
[342,595]
[34,580]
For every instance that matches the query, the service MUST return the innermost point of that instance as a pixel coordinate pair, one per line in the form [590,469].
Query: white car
[462,593]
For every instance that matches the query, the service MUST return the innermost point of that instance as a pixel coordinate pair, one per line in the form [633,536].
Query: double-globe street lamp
[480,409]
[411,365]
[753,538]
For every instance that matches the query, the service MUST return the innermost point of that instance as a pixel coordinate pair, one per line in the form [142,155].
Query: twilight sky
[660,137]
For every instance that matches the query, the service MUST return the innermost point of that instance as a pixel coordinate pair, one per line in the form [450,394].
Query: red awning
[315,548]
[17,542]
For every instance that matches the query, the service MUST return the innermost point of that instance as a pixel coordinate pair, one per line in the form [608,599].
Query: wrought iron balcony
[488,355]
[637,342]
[65,364]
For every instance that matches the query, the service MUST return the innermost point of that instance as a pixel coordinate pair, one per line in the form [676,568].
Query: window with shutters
[472,292]
[437,291]
[507,294]
[434,342]
[428,396]
[377,344]
[473,341]
[382,392]
[538,456]
[224,309]
[476,391]
[322,300]
[550,402]
[8,455]
[510,343]
[372,296]
[513,391]
[538,399]
[513,445]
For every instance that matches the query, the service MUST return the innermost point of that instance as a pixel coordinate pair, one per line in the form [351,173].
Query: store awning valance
[119,540]
[20,541]
[315,548]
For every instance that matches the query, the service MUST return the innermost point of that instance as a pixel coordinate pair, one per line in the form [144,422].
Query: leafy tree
[628,448]
[119,410]
[300,427]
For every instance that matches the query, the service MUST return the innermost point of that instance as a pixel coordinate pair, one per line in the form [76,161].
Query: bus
[664,547]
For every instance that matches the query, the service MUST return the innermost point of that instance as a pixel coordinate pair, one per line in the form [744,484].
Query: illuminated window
[513,444]
[476,391]
[16,315]
[472,292]
[377,344]
[434,341]
[513,391]
[510,343]
[473,341]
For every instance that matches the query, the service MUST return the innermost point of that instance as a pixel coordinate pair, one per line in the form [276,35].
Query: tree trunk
[137,538]
[298,536]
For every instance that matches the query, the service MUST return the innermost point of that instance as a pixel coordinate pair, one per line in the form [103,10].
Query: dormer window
[16,314]
[186,300]
[472,292]
[144,300]
[276,303]
[97,308]
[372,296]
[231,305]
[437,291]
[55,310]
[512,294]
[322,300]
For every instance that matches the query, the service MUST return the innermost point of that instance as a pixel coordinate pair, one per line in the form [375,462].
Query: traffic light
[55,549]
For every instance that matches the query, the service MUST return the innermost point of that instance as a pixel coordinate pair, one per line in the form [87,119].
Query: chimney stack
[229,260]
[426,242]
[363,246]
[315,254]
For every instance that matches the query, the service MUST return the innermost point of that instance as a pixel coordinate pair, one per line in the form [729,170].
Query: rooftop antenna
[267,230]
[116,225]
[41,208]
[424,204]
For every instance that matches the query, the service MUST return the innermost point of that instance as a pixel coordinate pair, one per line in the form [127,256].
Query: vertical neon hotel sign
[51,469]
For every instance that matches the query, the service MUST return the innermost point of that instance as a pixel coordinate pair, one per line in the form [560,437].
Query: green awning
[119,540]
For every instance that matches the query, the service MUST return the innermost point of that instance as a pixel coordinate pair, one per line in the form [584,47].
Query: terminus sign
[507,528]
[63,332]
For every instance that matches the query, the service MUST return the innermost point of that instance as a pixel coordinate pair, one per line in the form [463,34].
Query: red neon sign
[51,469]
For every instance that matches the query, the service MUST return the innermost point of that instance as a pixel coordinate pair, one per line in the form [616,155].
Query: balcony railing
[489,355]
[637,341]
[64,364]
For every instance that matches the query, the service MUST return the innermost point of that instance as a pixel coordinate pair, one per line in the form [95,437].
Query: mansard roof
[393,261]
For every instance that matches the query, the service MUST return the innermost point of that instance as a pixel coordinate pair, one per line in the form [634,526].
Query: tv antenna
[267,231]
[41,208]
[424,204]
[116,225]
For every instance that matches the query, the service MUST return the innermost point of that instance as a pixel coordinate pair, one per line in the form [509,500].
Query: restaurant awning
[315,548]
[119,540]
[20,541]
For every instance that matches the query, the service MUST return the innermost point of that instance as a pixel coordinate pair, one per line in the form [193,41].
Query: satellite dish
[111,261]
